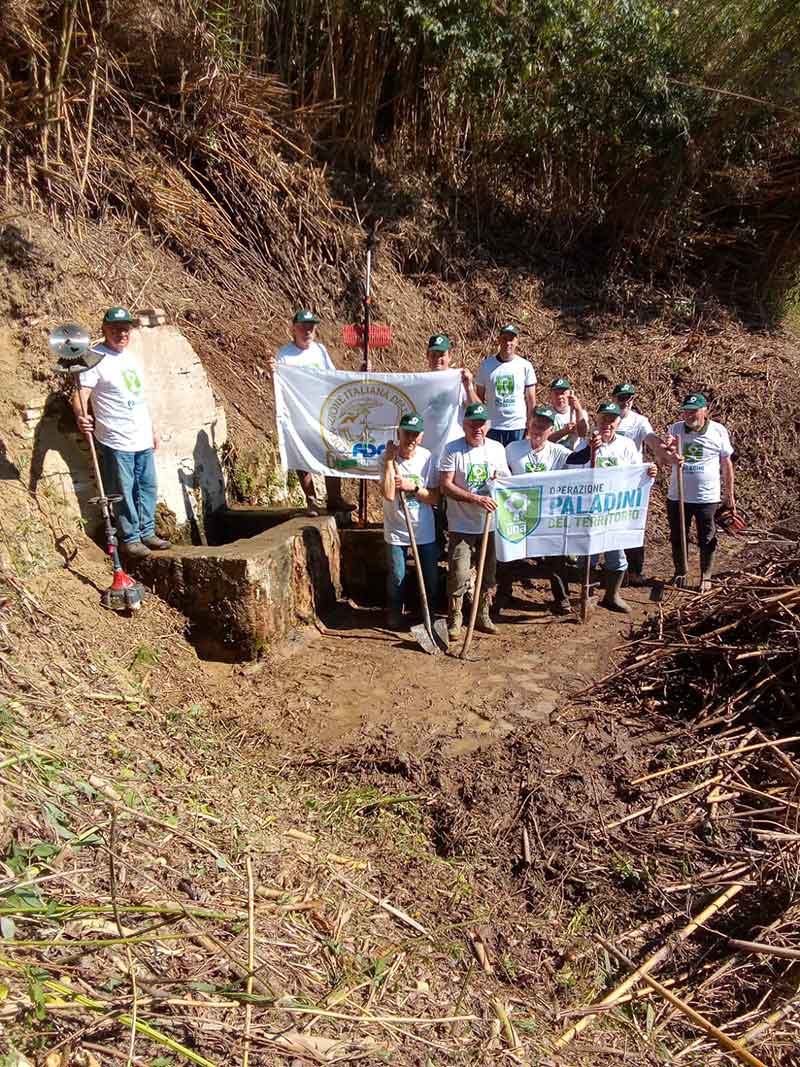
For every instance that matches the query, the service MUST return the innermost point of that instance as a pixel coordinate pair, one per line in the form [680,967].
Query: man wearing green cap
[304,350]
[535,454]
[704,448]
[637,428]
[438,356]
[113,396]
[466,470]
[571,422]
[409,468]
[506,383]
[611,450]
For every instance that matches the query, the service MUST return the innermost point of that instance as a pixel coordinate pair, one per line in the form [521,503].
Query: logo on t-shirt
[607,461]
[693,452]
[504,385]
[132,381]
[535,467]
[477,476]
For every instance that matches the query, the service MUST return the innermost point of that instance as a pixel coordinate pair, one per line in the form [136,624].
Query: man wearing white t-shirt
[113,395]
[704,448]
[438,357]
[466,469]
[305,351]
[506,383]
[571,421]
[611,450]
[637,428]
[534,454]
[409,468]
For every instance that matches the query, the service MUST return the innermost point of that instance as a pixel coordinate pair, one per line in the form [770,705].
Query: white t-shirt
[421,470]
[523,460]
[121,418]
[702,482]
[316,355]
[472,469]
[562,419]
[636,427]
[619,452]
[505,385]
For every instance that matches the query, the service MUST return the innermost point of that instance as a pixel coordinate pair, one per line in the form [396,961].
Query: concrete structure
[190,423]
[244,596]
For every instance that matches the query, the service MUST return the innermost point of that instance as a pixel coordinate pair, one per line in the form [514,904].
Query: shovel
[432,638]
[473,615]
[587,573]
[682,579]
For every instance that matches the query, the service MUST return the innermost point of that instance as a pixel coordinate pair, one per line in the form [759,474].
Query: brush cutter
[364,336]
[433,638]
[74,354]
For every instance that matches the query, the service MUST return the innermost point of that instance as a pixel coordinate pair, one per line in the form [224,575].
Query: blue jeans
[396,574]
[133,476]
[615,560]
[505,437]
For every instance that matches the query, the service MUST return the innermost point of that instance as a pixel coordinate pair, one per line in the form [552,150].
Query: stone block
[244,596]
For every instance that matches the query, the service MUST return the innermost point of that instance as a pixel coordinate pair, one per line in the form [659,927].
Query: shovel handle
[423,596]
[587,570]
[682,515]
[473,614]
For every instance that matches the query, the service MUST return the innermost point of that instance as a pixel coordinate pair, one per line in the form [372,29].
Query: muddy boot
[706,569]
[454,618]
[612,600]
[483,623]
[561,601]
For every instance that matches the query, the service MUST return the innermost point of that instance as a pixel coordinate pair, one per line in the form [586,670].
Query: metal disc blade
[71,346]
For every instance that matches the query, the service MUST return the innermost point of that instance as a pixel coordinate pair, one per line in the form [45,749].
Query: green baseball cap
[544,411]
[440,342]
[509,329]
[119,317]
[694,401]
[608,407]
[561,383]
[412,422]
[305,317]
[625,389]
[477,412]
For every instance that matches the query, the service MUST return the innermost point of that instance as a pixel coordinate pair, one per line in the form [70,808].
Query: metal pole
[365,367]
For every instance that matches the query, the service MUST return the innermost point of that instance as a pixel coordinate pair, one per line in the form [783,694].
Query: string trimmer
[74,354]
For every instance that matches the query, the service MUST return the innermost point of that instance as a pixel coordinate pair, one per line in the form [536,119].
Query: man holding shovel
[408,468]
[304,350]
[608,448]
[122,427]
[466,469]
[700,451]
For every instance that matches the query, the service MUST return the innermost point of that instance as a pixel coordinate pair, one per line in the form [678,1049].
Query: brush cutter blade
[71,346]
[124,594]
[379,336]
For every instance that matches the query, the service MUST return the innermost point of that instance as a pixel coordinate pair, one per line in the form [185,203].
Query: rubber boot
[612,600]
[483,623]
[561,601]
[706,568]
[634,576]
[454,618]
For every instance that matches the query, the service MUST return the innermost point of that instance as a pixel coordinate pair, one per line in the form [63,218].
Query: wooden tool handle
[473,615]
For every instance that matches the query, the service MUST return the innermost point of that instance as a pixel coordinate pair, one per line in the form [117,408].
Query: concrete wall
[191,426]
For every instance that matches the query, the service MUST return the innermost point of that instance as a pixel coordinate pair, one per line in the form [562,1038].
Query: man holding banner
[467,469]
[305,351]
[579,510]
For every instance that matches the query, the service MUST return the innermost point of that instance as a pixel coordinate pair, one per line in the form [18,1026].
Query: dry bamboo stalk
[712,757]
[650,962]
[768,950]
[251,959]
[665,803]
[729,1043]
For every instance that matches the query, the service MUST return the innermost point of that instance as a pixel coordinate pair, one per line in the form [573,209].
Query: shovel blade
[424,639]
[441,635]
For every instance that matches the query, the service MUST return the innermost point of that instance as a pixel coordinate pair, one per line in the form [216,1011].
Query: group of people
[502,430]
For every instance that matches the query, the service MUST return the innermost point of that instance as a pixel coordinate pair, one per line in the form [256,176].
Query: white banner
[337,422]
[572,512]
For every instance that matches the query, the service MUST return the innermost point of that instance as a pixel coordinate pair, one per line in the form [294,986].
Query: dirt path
[328,687]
